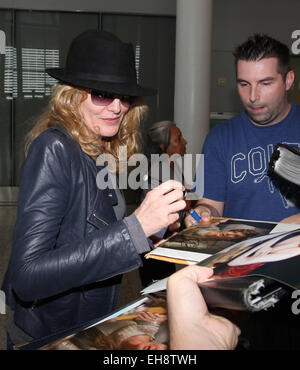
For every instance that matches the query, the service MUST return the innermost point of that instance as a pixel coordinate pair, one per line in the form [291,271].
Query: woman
[164,144]
[70,243]
[139,333]
[146,331]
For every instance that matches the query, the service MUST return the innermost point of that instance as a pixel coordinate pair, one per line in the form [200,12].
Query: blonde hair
[63,109]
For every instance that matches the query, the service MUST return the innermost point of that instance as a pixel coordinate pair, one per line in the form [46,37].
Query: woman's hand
[160,207]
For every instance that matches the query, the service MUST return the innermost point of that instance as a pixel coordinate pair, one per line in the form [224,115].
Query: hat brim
[110,87]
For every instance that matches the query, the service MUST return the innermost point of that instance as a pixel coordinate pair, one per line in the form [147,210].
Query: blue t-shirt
[236,157]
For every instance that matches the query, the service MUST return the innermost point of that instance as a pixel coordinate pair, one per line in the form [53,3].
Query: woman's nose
[115,105]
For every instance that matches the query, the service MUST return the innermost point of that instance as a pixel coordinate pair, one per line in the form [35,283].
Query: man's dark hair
[261,46]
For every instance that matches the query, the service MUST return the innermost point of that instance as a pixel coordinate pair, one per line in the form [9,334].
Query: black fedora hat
[98,60]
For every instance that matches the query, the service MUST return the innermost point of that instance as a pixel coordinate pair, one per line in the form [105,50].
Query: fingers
[187,279]
[203,212]
[168,186]
[197,274]
[172,198]
[227,333]
[174,226]
[147,316]
[167,193]
[175,207]
[192,326]
[190,221]
[200,273]
[171,193]
[237,331]
[161,206]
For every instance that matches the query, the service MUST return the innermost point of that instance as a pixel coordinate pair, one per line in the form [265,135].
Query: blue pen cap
[195,215]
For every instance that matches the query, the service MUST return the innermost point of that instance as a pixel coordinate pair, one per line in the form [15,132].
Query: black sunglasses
[104,99]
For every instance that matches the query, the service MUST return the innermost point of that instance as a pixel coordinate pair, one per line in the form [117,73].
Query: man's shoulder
[227,126]
[296,109]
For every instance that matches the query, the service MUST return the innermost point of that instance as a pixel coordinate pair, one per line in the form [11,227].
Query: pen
[149,179]
[195,215]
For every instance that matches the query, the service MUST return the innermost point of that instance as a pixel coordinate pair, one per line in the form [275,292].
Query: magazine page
[276,256]
[221,261]
[281,227]
[198,242]
[143,326]
[251,275]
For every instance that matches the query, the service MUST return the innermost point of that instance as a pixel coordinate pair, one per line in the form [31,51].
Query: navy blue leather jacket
[69,251]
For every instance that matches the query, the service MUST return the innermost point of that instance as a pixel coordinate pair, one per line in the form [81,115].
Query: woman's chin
[107,131]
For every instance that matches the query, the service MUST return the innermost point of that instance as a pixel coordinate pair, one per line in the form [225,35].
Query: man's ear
[162,147]
[289,80]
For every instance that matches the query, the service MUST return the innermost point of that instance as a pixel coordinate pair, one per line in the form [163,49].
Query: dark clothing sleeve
[59,241]
[137,234]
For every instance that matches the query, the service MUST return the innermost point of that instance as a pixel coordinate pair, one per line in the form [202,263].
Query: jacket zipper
[34,304]
[100,219]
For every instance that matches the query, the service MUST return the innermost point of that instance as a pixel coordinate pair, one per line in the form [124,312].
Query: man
[237,153]
[236,157]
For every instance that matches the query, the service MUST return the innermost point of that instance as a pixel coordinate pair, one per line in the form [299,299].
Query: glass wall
[42,40]
[154,40]
[34,41]
[31,41]
[7,76]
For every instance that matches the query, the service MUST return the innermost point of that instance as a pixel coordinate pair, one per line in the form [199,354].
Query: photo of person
[217,235]
[247,257]
[142,328]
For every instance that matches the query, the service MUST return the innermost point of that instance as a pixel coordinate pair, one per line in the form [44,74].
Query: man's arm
[294,219]
[206,208]
[215,178]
